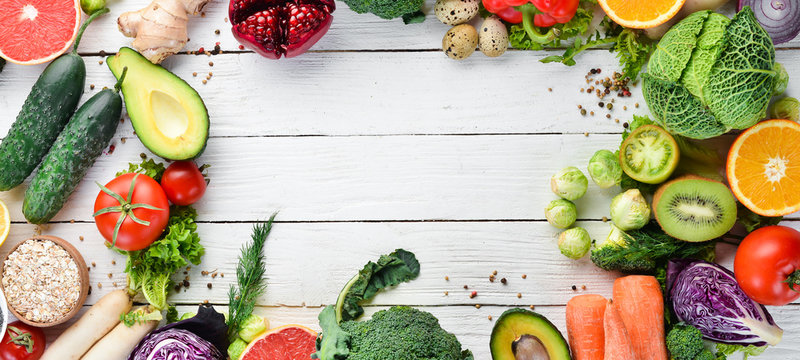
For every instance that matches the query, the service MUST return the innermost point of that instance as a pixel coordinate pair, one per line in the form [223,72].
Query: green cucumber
[72,154]
[49,105]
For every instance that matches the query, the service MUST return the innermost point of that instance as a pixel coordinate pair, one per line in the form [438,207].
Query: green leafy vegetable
[250,279]
[333,343]
[711,74]
[147,167]
[390,270]
[140,316]
[752,221]
[646,249]
[747,351]
[388,9]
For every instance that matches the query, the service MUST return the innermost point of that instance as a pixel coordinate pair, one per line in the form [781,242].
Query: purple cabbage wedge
[707,296]
[201,337]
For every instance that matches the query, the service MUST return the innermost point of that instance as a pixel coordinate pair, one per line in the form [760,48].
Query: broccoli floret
[387,9]
[402,333]
[685,342]
[706,355]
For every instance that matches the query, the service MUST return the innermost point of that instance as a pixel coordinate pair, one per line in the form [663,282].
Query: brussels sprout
[569,183]
[574,243]
[561,213]
[629,210]
[90,6]
[604,169]
[236,348]
[786,108]
[781,79]
[253,326]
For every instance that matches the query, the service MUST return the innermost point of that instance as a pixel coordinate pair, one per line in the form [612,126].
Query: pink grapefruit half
[290,342]
[37,31]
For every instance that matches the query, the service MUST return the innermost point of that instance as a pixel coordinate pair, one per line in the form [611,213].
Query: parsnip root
[159,30]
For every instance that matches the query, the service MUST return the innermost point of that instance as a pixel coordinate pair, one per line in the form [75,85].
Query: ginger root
[159,30]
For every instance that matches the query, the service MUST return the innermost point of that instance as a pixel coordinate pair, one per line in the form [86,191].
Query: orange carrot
[585,326]
[639,301]
[618,344]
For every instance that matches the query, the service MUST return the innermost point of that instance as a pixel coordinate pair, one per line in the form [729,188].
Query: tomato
[22,342]
[145,213]
[765,261]
[183,183]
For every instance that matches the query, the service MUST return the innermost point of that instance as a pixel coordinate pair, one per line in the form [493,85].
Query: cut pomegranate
[275,28]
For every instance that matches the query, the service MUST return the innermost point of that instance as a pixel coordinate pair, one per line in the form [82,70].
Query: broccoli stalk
[388,9]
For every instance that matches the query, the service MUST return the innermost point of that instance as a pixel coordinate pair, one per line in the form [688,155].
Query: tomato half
[148,205]
[183,183]
[765,260]
[22,342]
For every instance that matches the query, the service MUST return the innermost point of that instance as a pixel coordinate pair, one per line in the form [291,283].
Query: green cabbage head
[710,74]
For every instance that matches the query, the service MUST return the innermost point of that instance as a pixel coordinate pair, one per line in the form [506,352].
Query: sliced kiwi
[649,154]
[694,209]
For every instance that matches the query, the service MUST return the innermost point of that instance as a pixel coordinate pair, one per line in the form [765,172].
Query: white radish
[91,327]
[119,343]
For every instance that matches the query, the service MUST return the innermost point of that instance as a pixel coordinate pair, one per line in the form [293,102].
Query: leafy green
[147,167]
[333,343]
[414,18]
[386,9]
[150,269]
[250,279]
[578,25]
[747,351]
[646,249]
[140,316]
[752,221]
[390,270]
[710,74]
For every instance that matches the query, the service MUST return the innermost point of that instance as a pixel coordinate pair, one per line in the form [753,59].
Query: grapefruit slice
[290,342]
[37,31]
[764,168]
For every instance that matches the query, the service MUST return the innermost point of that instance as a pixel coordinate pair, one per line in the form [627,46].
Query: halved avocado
[168,115]
[521,334]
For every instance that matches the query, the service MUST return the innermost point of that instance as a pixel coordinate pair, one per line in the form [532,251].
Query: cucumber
[49,105]
[72,154]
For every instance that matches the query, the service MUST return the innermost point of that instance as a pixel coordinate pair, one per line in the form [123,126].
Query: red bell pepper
[547,12]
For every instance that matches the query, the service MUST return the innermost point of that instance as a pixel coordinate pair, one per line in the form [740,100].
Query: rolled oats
[41,281]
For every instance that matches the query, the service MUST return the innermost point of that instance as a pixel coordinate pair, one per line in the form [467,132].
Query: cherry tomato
[765,260]
[183,183]
[145,213]
[22,342]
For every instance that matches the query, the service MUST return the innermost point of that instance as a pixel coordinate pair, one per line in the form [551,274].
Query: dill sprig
[249,277]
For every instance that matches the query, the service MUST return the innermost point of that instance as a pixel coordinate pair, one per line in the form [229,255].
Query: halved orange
[289,342]
[641,14]
[764,168]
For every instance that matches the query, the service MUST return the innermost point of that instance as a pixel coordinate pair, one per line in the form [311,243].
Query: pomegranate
[275,28]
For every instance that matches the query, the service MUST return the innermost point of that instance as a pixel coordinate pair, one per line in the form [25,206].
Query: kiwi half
[694,209]
[649,154]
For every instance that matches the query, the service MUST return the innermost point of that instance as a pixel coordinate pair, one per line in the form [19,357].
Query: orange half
[764,168]
[641,14]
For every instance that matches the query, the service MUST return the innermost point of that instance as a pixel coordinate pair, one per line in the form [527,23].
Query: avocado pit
[529,347]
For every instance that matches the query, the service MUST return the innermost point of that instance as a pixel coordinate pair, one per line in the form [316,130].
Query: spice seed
[524,276]
[477,306]
[519,295]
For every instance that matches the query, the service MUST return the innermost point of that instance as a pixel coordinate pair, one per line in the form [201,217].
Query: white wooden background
[372,141]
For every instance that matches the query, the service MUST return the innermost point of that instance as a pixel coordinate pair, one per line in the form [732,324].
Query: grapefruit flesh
[37,31]
[290,342]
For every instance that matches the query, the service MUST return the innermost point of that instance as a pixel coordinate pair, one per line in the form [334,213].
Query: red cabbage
[707,296]
[202,337]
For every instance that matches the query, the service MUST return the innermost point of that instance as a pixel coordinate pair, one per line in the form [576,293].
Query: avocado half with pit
[521,334]
[167,114]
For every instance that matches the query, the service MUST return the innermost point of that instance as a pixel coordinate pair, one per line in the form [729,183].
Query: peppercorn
[583,112]
[466,287]
[209,285]
[609,106]
[574,288]
[519,295]
[473,294]
[216,31]
[524,276]
[503,281]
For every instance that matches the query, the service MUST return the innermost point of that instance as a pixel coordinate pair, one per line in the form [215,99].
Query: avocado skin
[71,156]
[518,319]
[51,102]
[144,73]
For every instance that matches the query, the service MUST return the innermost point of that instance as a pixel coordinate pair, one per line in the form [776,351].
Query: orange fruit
[37,31]
[764,168]
[641,14]
[290,342]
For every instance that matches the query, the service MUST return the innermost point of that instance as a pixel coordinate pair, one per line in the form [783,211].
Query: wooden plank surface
[373,141]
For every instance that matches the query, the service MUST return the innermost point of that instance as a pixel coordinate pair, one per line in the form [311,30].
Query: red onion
[781,18]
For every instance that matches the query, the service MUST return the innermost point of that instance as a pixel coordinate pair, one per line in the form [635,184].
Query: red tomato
[132,235]
[183,183]
[22,342]
[765,260]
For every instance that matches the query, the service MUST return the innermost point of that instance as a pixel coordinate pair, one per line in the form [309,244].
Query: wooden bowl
[83,273]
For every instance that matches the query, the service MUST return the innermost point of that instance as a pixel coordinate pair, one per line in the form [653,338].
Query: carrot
[618,344]
[585,326]
[639,301]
